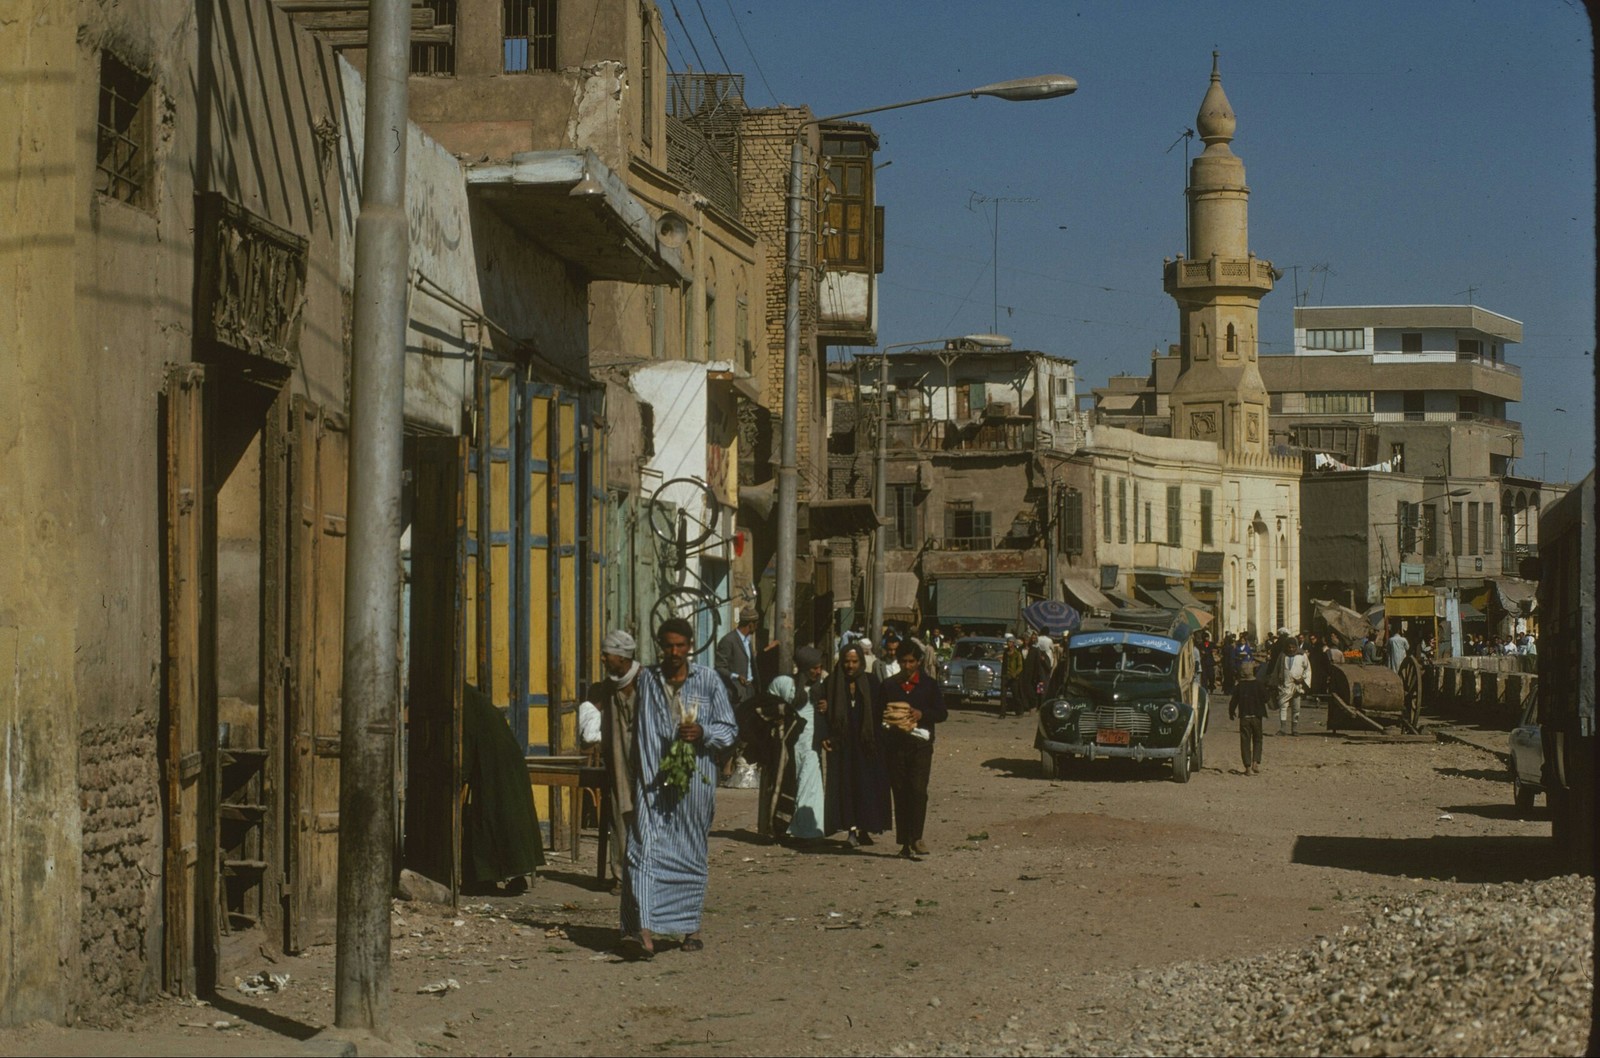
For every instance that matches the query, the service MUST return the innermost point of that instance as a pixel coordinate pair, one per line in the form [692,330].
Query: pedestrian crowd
[845,746]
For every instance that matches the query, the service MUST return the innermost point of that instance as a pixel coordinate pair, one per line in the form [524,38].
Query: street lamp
[880,488]
[1048,86]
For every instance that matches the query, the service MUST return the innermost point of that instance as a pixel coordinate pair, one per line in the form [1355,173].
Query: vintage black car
[1127,694]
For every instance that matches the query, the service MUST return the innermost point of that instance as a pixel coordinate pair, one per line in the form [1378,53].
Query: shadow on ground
[266,1019]
[1498,811]
[1463,859]
[1082,771]
[1491,774]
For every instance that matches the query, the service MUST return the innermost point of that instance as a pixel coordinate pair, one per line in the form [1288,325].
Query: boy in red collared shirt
[908,744]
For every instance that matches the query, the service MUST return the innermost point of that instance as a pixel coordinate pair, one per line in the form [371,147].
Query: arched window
[1233,339]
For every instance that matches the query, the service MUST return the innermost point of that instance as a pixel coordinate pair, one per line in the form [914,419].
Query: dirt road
[1041,903]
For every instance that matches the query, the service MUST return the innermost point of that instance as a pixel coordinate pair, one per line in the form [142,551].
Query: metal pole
[370,709]
[788,492]
[880,497]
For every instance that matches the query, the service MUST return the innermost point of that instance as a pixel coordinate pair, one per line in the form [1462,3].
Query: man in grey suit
[736,657]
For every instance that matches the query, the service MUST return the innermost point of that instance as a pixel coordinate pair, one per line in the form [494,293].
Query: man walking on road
[1294,679]
[617,698]
[664,888]
[1249,704]
[736,657]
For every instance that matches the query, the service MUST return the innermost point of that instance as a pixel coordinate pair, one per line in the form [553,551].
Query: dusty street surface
[1082,915]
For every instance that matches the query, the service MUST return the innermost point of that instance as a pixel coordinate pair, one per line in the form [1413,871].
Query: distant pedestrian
[1399,647]
[1249,705]
[1294,680]
[1036,670]
[857,786]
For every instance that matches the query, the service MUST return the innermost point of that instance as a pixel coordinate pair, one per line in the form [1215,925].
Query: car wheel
[1523,794]
[1199,752]
[1049,767]
[1182,762]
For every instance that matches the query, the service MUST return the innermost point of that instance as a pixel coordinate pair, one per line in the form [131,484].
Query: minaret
[1218,395]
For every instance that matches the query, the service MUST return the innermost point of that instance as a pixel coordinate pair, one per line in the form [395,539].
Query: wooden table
[577,774]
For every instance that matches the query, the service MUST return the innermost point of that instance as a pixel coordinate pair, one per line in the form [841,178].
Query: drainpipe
[370,710]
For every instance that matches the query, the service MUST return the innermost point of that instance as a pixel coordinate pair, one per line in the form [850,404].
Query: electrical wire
[727,67]
[686,34]
[753,60]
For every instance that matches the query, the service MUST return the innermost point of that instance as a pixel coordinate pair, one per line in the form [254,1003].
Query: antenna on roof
[1468,292]
[1327,270]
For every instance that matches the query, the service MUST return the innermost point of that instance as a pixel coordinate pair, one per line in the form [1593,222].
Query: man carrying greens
[683,719]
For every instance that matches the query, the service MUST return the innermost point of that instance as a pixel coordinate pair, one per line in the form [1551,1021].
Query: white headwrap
[783,687]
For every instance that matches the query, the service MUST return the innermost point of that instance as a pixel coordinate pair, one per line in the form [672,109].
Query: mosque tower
[1218,394]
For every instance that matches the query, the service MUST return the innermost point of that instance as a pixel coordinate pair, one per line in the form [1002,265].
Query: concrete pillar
[40,832]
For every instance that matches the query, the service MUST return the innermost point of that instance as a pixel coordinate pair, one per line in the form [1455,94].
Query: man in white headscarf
[1036,670]
[617,699]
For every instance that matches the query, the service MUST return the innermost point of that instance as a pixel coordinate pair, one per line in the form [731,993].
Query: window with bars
[1105,509]
[1071,536]
[436,58]
[1174,516]
[530,35]
[1430,530]
[1472,529]
[1206,515]
[967,529]
[1488,528]
[1122,510]
[123,133]
[647,68]
[904,532]
[1406,526]
[1338,403]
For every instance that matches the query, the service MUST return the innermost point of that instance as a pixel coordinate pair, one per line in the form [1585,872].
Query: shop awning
[1119,402]
[899,592]
[1158,597]
[1514,596]
[1122,600]
[1180,593]
[1342,619]
[978,600]
[1086,595]
[824,519]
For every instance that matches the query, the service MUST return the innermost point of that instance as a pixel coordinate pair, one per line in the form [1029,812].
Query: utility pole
[370,711]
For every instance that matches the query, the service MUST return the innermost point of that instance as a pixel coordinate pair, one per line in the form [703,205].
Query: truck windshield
[1122,657]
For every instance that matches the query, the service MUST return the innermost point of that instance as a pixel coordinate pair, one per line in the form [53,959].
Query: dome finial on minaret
[1215,122]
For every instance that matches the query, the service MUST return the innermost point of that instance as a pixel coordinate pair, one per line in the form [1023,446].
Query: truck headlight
[1169,713]
[1060,710]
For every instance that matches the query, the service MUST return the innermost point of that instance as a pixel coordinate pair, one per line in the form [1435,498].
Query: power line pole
[370,711]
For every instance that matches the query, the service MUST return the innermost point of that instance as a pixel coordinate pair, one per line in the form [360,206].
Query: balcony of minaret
[1234,273]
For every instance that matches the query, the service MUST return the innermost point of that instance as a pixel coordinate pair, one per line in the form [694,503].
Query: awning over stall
[978,600]
[1086,595]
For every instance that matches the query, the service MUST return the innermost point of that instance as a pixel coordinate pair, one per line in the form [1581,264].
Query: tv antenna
[1327,270]
[976,200]
[1469,292]
[1184,137]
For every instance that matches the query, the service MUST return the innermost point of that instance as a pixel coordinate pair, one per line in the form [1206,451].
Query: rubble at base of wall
[119,798]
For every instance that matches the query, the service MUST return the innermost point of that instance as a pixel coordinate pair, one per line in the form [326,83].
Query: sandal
[692,944]
[633,949]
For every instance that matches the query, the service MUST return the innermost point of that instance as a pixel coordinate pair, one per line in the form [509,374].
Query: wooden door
[318,461]
[188,692]
[438,660]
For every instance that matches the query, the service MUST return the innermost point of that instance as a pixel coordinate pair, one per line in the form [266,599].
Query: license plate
[1112,738]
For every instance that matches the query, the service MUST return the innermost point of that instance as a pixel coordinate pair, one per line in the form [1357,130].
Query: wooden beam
[357,38]
[421,18]
[312,7]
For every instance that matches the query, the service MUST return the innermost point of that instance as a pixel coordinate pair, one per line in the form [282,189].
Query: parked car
[1527,757]
[972,675]
[1128,694]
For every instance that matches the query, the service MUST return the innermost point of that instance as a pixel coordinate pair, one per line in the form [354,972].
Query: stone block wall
[119,797]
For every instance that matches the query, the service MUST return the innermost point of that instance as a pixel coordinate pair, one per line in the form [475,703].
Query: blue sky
[1397,153]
